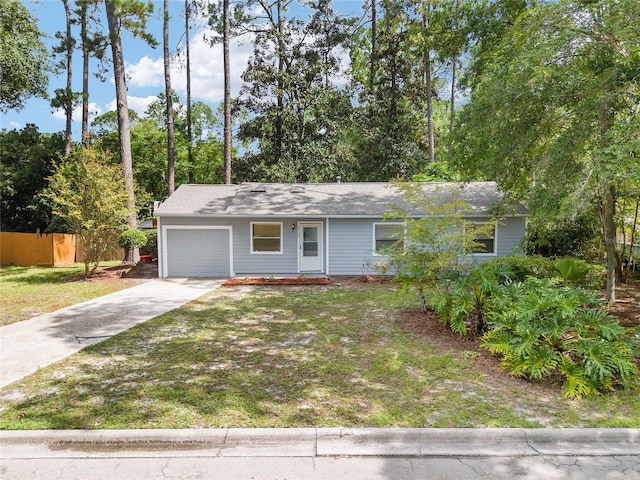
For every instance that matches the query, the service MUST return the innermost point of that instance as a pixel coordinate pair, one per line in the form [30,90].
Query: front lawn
[29,291]
[348,355]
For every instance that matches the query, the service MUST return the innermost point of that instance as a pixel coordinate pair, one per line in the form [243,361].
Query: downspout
[326,246]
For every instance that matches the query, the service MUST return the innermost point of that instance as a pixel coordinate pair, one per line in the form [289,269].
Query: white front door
[310,246]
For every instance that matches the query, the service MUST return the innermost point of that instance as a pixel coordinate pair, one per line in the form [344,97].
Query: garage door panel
[198,253]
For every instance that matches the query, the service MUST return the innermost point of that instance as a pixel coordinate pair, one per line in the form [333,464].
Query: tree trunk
[124,130]
[227,93]
[280,95]
[168,93]
[627,269]
[428,86]
[68,98]
[393,66]
[610,242]
[374,45]
[187,16]
[454,71]
[85,70]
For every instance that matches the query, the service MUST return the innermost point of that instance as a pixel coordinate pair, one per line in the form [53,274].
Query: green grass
[29,291]
[290,357]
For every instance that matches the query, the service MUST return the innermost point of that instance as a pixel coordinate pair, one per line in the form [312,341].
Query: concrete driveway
[40,341]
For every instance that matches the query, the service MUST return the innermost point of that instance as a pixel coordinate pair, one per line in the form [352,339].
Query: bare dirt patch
[627,306]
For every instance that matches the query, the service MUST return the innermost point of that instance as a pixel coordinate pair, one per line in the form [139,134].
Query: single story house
[305,229]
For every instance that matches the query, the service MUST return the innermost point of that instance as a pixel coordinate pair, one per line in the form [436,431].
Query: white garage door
[195,252]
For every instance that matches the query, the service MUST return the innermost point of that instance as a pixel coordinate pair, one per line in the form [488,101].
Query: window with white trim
[387,235]
[266,237]
[484,238]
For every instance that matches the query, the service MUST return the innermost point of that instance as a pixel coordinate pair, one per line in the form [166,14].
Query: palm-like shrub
[463,302]
[546,330]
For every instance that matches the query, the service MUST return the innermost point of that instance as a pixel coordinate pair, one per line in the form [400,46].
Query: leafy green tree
[553,97]
[296,110]
[28,158]
[88,192]
[149,147]
[400,116]
[435,240]
[130,239]
[24,62]
[576,235]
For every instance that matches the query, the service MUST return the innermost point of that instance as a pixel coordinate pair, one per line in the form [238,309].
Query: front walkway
[40,341]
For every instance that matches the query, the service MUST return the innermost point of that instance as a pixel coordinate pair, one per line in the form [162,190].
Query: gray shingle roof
[323,199]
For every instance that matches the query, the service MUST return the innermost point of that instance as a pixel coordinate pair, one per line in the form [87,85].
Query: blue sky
[144,67]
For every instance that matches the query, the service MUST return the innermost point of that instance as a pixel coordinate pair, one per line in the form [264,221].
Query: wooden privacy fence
[48,249]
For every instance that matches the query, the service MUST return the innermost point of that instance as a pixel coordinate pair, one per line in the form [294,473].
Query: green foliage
[27,159]
[516,268]
[463,302]
[297,113]
[540,329]
[151,246]
[561,237]
[149,146]
[390,127]
[436,245]
[435,172]
[553,117]
[132,238]
[24,61]
[545,330]
[571,269]
[88,193]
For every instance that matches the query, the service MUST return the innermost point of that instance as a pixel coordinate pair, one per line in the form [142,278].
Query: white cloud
[207,74]
[15,125]
[137,104]
[94,111]
[146,73]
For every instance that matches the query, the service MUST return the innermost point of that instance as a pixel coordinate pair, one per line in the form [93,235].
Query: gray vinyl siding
[511,231]
[350,244]
[246,263]
[351,247]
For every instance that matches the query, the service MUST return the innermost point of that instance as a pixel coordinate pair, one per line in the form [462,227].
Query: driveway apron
[40,341]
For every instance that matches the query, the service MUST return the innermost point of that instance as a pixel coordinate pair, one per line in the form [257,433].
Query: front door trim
[310,264]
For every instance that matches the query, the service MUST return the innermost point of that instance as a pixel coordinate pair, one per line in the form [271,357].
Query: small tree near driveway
[436,243]
[88,193]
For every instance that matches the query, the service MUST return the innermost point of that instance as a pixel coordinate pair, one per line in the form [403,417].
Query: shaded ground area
[143,270]
[627,306]
[626,309]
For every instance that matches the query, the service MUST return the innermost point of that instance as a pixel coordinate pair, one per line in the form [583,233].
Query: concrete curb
[323,442]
